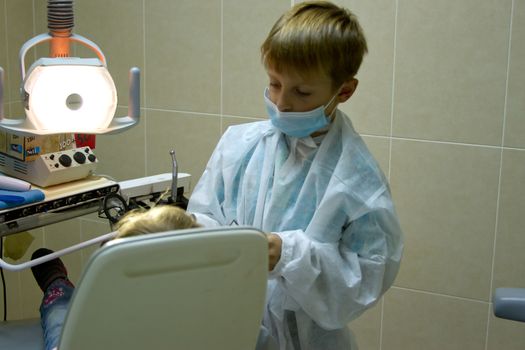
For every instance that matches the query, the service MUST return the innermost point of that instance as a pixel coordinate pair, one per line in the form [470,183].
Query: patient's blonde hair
[316,37]
[157,219]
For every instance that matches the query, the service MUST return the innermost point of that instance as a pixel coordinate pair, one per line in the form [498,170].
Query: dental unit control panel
[52,168]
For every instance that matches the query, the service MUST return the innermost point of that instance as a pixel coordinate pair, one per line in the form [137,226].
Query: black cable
[3,278]
[113,207]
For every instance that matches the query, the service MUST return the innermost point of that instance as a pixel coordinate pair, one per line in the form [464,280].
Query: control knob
[79,157]
[65,160]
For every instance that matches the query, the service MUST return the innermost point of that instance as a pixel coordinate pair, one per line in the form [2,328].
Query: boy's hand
[274,249]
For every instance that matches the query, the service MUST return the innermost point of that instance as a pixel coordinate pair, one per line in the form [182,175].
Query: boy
[307,178]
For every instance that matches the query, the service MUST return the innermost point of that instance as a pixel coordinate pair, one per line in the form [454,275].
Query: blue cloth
[9,199]
[53,311]
[330,204]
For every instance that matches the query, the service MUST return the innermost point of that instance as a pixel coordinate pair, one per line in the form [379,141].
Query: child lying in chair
[52,275]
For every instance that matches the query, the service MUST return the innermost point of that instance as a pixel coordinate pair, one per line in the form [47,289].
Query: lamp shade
[69,95]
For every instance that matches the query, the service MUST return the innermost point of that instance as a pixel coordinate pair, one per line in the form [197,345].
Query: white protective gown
[330,204]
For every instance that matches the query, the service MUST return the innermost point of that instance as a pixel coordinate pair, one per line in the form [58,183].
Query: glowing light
[70,98]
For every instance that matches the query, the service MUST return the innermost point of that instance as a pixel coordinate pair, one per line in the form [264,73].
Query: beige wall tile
[229,121]
[367,328]
[122,156]
[246,25]
[446,200]
[19,24]
[29,294]
[505,334]
[370,107]
[40,8]
[451,59]
[16,109]
[14,302]
[61,235]
[515,125]
[91,228]
[510,239]
[40,21]
[7,109]
[193,137]
[3,49]
[183,39]
[416,321]
[23,294]
[116,27]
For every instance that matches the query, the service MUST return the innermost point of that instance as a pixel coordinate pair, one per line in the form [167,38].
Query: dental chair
[188,289]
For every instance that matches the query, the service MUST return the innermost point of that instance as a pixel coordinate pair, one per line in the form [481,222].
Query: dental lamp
[63,94]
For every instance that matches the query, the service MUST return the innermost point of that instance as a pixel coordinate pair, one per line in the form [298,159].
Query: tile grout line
[498,199]
[144,85]
[221,91]
[413,290]
[34,29]
[396,12]
[393,88]
[452,143]
[8,89]
[186,112]
[7,68]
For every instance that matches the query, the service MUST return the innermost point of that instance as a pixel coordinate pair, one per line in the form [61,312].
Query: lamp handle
[46,37]
[119,124]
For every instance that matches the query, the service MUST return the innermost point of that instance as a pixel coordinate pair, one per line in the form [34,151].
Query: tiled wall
[441,103]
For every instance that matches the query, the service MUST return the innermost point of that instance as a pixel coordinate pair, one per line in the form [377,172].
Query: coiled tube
[60,17]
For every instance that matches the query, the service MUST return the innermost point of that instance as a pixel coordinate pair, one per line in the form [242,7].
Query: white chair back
[188,289]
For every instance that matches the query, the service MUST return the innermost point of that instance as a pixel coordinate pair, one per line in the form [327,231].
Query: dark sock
[49,271]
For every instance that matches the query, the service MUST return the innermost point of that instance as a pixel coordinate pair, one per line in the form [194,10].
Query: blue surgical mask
[297,124]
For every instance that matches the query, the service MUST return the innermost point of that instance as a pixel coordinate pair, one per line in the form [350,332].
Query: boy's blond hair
[316,37]
[157,219]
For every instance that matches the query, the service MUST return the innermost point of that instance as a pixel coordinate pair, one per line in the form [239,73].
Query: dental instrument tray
[61,202]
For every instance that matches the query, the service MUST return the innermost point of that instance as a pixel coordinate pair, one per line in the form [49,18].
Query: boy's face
[292,92]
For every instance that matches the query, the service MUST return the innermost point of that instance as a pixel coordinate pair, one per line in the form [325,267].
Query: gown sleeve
[213,201]
[208,194]
[334,282]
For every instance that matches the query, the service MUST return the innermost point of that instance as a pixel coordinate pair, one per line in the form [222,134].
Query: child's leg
[53,310]
[52,278]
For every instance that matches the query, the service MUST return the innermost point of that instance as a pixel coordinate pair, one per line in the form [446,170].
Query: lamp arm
[46,37]
[90,45]
[28,45]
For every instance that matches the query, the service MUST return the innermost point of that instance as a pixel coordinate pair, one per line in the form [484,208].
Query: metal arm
[59,253]
[174,177]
